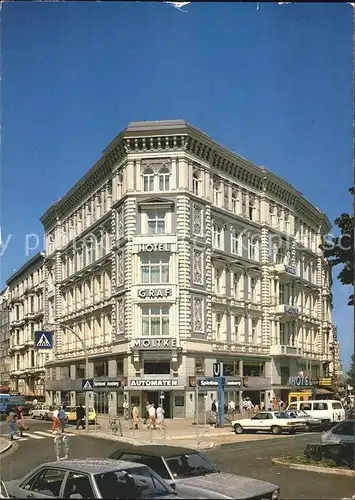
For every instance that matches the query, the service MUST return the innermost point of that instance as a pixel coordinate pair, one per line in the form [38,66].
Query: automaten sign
[155,247]
[154,293]
[153,383]
[162,343]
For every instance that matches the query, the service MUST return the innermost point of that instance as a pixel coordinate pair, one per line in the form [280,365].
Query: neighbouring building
[171,254]
[25,304]
[4,341]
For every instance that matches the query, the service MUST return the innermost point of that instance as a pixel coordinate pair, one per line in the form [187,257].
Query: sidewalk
[5,445]
[177,432]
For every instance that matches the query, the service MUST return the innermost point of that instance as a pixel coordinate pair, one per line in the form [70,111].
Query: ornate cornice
[174,135]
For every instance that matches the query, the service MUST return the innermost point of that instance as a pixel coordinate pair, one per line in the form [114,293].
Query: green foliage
[340,249]
[325,462]
[351,372]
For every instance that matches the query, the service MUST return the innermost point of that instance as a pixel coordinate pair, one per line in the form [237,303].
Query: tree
[340,249]
[351,373]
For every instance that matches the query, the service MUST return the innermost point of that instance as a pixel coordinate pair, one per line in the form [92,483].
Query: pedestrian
[80,415]
[125,409]
[160,416]
[11,420]
[135,417]
[55,420]
[20,420]
[214,412]
[152,417]
[146,413]
[61,418]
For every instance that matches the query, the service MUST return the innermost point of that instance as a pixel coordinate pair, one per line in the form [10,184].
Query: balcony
[29,342]
[286,310]
[286,350]
[17,347]
[286,271]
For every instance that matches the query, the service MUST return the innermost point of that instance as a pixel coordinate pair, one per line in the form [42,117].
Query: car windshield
[193,464]
[302,413]
[137,482]
[282,414]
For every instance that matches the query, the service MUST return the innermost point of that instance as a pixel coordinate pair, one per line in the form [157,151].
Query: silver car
[341,433]
[90,478]
[194,476]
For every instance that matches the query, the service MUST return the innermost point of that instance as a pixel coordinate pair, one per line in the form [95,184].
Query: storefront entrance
[154,397]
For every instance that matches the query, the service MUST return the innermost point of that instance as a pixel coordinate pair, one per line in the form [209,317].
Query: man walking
[55,421]
[80,415]
[61,418]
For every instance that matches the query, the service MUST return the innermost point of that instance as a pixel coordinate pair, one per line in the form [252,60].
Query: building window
[251,208]
[253,248]
[164,179]
[282,334]
[219,319]
[234,201]
[155,269]
[199,367]
[271,214]
[148,180]
[156,222]
[196,182]
[282,293]
[230,368]
[101,369]
[235,242]
[237,322]
[217,193]
[254,330]
[253,284]
[216,236]
[155,321]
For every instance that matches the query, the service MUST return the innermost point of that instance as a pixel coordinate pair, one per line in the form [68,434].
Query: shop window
[230,368]
[80,371]
[101,369]
[156,367]
[64,372]
[120,367]
[285,375]
[200,367]
[253,369]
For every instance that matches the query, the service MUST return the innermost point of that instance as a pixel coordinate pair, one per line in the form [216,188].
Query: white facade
[26,305]
[172,253]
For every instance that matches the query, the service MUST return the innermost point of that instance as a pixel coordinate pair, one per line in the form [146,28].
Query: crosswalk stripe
[50,433]
[32,435]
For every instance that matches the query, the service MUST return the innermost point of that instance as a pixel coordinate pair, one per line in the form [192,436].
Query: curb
[7,447]
[133,442]
[313,468]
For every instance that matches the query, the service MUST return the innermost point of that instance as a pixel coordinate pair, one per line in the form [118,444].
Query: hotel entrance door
[154,397]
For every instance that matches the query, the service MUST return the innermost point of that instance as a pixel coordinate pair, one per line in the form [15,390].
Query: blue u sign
[43,340]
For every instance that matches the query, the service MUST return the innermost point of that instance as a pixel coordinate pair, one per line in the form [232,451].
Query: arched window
[217,192]
[196,182]
[148,180]
[164,179]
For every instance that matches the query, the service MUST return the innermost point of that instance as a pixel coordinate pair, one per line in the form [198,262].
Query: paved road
[247,458]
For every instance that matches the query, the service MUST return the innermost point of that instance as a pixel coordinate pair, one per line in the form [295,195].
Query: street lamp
[83,343]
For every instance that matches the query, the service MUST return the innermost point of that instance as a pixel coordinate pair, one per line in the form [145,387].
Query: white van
[322,408]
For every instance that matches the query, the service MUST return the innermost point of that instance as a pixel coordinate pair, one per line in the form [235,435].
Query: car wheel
[42,416]
[275,429]
[238,429]
[33,416]
[307,428]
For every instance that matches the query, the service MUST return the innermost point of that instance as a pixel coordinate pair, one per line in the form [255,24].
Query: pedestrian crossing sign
[43,340]
[87,384]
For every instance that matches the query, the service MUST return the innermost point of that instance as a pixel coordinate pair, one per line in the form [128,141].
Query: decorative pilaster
[265,288]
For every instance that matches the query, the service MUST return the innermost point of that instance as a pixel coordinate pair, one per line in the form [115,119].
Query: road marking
[50,434]
[32,435]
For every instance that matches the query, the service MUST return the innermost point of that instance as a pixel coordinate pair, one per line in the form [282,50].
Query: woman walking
[11,420]
[135,417]
[160,416]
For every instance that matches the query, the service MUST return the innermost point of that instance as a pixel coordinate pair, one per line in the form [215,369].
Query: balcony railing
[285,350]
[286,270]
[285,309]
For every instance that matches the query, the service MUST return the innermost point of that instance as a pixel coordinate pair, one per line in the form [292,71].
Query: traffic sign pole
[220,397]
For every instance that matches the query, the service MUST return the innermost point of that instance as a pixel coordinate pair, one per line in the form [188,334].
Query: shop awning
[324,391]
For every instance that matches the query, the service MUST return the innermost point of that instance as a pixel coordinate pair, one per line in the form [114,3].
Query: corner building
[173,253]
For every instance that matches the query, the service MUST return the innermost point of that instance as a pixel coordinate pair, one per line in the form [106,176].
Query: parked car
[194,476]
[341,433]
[70,414]
[90,478]
[3,491]
[312,423]
[272,421]
[43,412]
[322,408]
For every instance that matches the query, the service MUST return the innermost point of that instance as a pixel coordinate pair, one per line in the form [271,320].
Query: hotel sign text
[155,247]
[154,293]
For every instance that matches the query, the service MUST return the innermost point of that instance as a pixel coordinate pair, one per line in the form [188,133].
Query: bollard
[61,443]
[66,445]
[57,446]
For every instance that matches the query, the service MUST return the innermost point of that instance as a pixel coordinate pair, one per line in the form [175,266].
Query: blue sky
[274,85]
